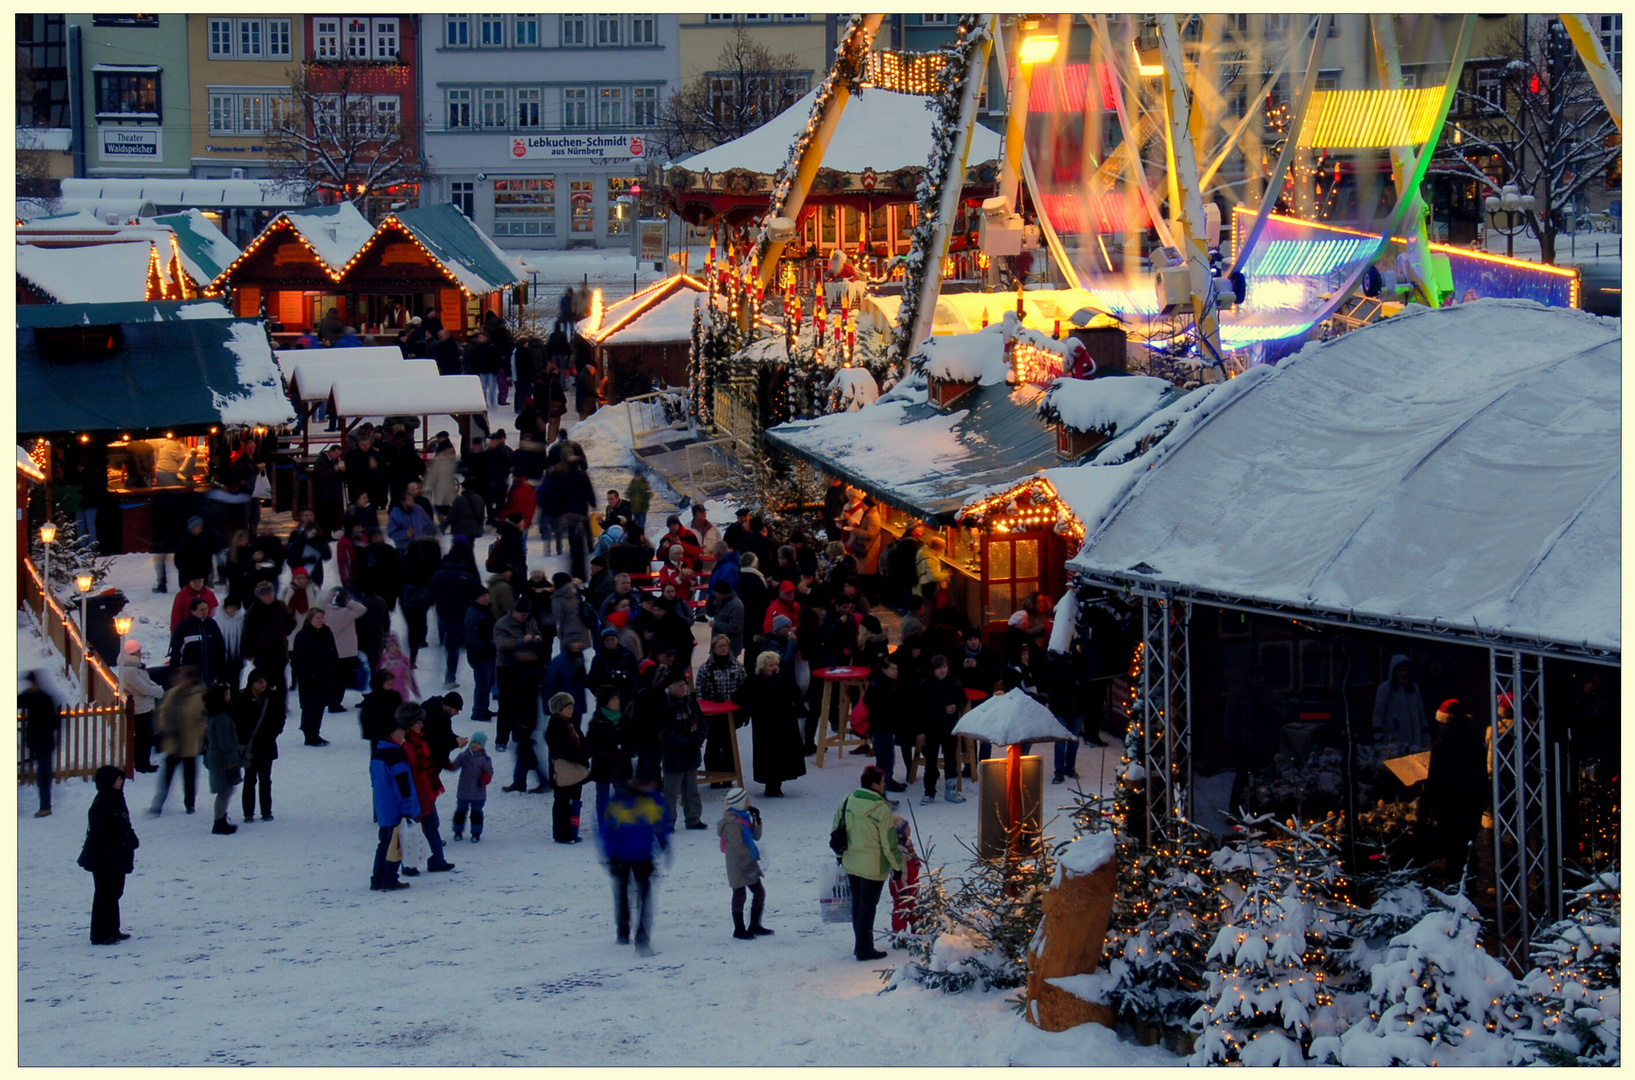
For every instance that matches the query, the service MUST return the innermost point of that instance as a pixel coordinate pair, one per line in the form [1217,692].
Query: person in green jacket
[871,855]
[640,496]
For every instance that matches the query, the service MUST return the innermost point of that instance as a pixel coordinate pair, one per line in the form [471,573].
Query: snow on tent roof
[106,211]
[100,273]
[167,369]
[449,395]
[879,129]
[1009,719]
[476,262]
[181,193]
[205,250]
[1109,404]
[290,359]
[924,461]
[312,381]
[336,232]
[73,221]
[1455,470]
[974,357]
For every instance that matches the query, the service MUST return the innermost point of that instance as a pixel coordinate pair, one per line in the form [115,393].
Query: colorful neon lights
[1360,119]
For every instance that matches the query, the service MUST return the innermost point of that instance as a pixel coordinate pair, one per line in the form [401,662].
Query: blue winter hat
[480,738]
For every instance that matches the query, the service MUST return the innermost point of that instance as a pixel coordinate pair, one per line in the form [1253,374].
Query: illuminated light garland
[1371,119]
[1031,506]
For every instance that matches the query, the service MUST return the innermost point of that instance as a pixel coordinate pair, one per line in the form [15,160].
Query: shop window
[1012,573]
[581,206]
[619,213]
[525,206]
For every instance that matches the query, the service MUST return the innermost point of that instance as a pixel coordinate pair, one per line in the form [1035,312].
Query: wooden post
[1069,942]
[1013,797]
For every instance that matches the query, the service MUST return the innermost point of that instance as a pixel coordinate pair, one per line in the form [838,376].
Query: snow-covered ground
[268,948]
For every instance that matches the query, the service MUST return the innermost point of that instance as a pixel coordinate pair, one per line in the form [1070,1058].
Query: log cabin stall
[644,337]
[307,262]
[959,446]
[132,410]
[1402,492]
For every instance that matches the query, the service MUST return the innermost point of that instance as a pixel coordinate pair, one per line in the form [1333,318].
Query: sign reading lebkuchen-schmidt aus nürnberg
[131,144]
[578,147]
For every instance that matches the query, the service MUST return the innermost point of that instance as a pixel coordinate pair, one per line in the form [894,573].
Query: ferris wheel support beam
[1601,72]
[1403,160]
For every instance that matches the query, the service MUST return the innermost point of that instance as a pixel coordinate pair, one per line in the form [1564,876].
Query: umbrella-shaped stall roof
[1010,719]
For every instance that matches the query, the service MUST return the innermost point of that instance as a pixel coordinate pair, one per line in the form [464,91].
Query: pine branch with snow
[1572,993]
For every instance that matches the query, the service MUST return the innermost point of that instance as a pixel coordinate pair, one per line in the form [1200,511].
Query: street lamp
[48,536]
[83,584]
[1515,207]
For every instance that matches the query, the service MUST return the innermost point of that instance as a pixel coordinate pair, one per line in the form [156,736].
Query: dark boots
[221,828]
[755,927]
[476,826]
[459,824]
[738,930]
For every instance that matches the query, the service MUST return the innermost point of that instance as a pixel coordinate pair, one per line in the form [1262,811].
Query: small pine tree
[1437,998]
[71,556]
[1572,992]
[1273,960]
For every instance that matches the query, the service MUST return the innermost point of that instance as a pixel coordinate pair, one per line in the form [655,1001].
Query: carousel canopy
[920,459]
[128,367]
[1454,471]
[879,129]
[1008,719]
[100,273]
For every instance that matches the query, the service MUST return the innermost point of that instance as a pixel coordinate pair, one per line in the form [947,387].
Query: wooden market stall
[132,404]
[352,400]
[645,336]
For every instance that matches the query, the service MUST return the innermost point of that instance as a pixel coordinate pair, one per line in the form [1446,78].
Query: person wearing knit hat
[681,731]
[1456,787]
[476,770]
[739,829]
[110,844]
[784,605]
[570,765]
[143,694]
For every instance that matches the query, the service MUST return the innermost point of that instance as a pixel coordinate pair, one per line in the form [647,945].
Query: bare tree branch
[748,86]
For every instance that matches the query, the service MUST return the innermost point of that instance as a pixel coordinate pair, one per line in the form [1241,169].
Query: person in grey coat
[739,829]
[223,755]
[1399,711]
[727,615]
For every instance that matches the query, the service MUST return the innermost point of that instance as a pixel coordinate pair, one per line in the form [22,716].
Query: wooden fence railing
[90,736]
[98,733]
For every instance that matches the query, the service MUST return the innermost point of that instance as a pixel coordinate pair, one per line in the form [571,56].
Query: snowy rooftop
[205,250]
[181,193]
[336,232]
[476,262]
[450,395]
[312,381]
[100,273]
[1457,468]
[975,357]
[1109,404]
[662,311]
[879,129]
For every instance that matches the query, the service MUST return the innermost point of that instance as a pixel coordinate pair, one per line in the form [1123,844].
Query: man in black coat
[259,714]
[366,471]
[381,569]
[43,717]
[493,466]
[482,359]
[308,546]
[329,489]
[447,353]
[198,643]
[109,853]
[681,731]
[941,700]
[578,503]
[196,549]
[758,543]
[265,638]
[452,588]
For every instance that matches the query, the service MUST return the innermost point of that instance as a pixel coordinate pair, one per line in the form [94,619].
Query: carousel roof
[1457,471]
[157,364]
[879,129]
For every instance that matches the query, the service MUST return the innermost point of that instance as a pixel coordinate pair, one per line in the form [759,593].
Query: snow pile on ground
[1107,405]
[605,436]
[1011,719]
[857,388]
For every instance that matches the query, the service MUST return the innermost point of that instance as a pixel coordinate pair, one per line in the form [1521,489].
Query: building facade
[241,67]
[538,126]
[134,77]
[810,39]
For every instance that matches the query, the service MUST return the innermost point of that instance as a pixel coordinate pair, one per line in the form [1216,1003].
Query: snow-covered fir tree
[1437,998]
[1571,996]
[71,556]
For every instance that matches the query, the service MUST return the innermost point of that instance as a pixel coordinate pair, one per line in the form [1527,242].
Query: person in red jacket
[680,534]
[784,605]
[182,606]
[427,786]
[520,500]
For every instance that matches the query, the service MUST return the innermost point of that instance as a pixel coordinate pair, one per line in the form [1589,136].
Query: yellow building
[809,38]
[241,67]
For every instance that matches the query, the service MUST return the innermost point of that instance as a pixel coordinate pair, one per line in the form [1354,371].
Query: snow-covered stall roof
[336,232]
[1110,404]
[465,251]
[879,129]
[205,249]
[102,273]
[105,211]
[975,357]
[290,359]
[26,465]
[313,381]
[166,365]
[445,395]
[661,312]
[183,192]
[1009,719]
[1454,470]
[926,462]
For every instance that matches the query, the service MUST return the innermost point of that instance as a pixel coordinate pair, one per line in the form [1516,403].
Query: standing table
[724,709]
[835,682]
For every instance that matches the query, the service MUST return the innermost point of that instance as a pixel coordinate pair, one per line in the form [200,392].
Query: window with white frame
[573,30]
[644,106]
[525,31]
[1279,24]
[763,17]
[459,108]
[252,114]
[463,194]
[793,18]
[1611,33]
[610,107]
[575,107]
[1490,89]
[933,20]
[719,18]
[388,114]
[386,39]
[223,109]
[492,109]
[643,30]
[528,102]
[357,37]
[326,114]
[457,31]
[326,39]
[607,31]
[491,31]
[1328,79]
[238,110]
[248,39]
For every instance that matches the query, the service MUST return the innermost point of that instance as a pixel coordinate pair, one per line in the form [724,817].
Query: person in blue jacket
[633,828]
[395,799]
[452,587]
[566,675]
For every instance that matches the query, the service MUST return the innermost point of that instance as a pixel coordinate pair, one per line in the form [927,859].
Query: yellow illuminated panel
[1357,119]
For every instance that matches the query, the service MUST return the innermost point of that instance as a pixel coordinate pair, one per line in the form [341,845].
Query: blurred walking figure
[635,826]
[43,717]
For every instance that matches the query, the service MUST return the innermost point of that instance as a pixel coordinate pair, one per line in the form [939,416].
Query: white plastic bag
[262,488]
[413,842]
[834,894]
[803,675]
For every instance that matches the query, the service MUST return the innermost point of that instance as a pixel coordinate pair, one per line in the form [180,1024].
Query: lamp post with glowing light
[83,583]
[122,626]
[48,536]
[1515,207]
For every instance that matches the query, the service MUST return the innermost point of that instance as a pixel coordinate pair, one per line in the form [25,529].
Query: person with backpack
[869,853]
[391,782]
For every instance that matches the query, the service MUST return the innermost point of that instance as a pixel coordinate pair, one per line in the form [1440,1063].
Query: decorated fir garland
[940,167]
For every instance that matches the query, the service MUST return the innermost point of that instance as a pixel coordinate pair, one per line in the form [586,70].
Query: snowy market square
[819,540]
